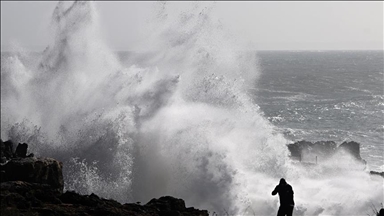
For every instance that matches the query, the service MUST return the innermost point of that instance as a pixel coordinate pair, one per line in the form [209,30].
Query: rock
[3,177]
[32,192]
[21,150]
[6,150]
[34,186]
[381,212]
[39,199]
[167,203]
[35,170]
[351,147]
[377,173]
[86,200]
[302,150]
[171,206]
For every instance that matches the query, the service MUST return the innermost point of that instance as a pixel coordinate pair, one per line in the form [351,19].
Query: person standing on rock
[286,198]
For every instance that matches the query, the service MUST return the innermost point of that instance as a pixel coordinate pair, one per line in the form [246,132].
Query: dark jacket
[285,194]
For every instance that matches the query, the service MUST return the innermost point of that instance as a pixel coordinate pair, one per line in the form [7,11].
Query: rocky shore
[311,153]
[34,186]
[303,150]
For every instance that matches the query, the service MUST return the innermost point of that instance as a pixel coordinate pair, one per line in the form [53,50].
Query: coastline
[34,185]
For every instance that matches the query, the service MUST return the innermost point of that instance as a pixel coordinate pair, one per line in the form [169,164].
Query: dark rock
[162,206]
[21,150]
[19,197]
[72,197]
[302,150]
[6,150]
[30,191]
[318,150]
[351,147]
[35,170]
[168,205]
[297,147]
[34,186]
[3,177]
[381,212]
[377,173]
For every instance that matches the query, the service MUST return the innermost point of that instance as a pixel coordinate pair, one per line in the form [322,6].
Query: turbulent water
[330,95]
[183,119]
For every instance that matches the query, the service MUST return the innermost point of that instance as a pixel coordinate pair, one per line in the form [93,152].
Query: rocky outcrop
[34,186]
[172,206]
[19,198]
[352,148]
[17,166]
[35,170]
[6,150]
[377,173]
[323,149]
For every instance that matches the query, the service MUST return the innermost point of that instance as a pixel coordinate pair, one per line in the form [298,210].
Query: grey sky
[267,25]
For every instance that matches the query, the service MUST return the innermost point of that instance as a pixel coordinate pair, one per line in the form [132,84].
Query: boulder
[21,150]
[321,149]
[6,150]
[377,173]
[171,206]
[351,147]
[34,186]
[35,170]
[33,193]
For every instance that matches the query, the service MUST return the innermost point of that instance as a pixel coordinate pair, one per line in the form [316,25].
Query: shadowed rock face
[35,170]
[18,167]
[377,173]
[21,150]
[34,186]
[323,149]
[351,147]
[38,199]
[6,150]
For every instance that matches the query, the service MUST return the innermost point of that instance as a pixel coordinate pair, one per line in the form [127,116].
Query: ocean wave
[181,123]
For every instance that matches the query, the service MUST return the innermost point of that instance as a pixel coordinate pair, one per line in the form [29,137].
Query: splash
[177,122]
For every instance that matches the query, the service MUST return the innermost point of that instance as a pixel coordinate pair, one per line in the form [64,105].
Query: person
[286,198]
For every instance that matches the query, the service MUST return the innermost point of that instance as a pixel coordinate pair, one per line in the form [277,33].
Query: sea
[196,115]
[325,95]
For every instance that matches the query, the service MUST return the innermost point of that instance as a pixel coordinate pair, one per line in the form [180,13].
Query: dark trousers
[285,210]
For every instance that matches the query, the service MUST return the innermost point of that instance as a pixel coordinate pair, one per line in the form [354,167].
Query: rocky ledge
[311,153]
[34,186]
[303,150]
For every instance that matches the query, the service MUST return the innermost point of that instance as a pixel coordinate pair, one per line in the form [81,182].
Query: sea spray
[180,122]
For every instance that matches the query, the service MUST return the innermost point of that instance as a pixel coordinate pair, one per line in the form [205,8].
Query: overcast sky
[266,25]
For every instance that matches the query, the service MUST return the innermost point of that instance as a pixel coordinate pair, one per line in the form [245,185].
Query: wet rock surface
[34,186]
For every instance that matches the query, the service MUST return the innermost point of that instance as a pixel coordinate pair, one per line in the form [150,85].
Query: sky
[270,25]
